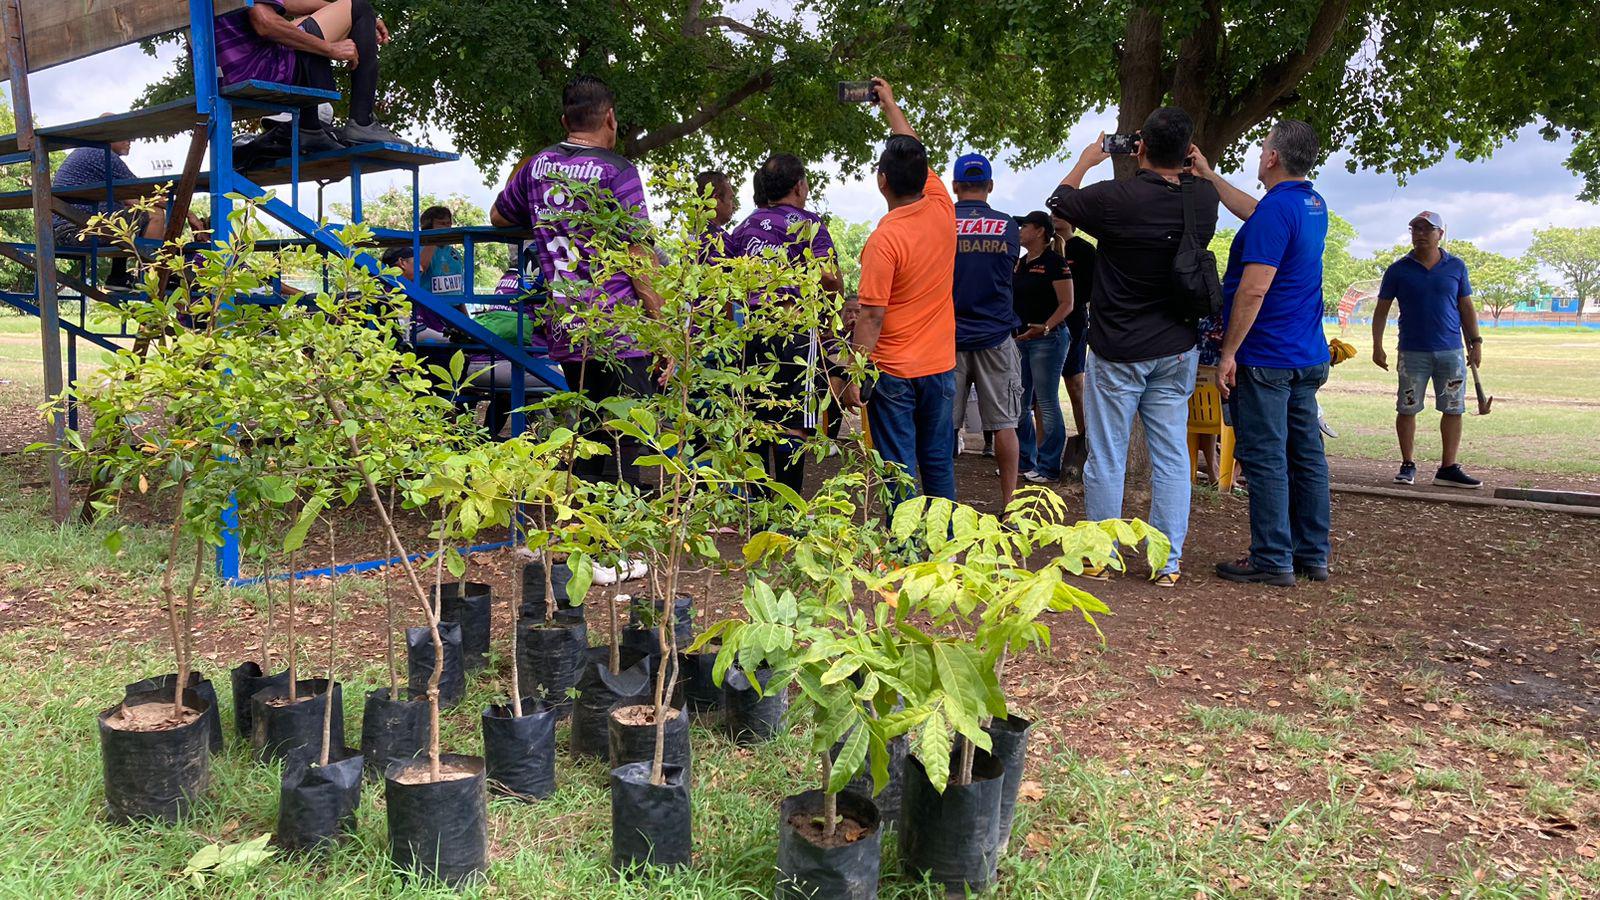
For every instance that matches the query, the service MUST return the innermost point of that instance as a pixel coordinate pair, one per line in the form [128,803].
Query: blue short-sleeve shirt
[1430,317]
[987,244]
[1288,231]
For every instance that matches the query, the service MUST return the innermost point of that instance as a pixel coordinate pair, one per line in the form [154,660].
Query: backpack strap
[1186,187]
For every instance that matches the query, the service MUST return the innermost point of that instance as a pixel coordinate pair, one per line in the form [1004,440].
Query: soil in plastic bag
[439,829]
[317,804]
[651,824]
[533,599]
[699,689]
[519,754]
[155,774]
[644,614]
[888,800]
[634,740]
[549,661]
[280,727]
[841,867]
[472,611]
[202,688]
[419,663]
[247,678]
[392,731]
[1009,737]
[599,690]
[751,718]
[955,836]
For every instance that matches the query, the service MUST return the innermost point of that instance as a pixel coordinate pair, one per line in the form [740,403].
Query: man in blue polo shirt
[987,245]
[1275,357]
[1435,297]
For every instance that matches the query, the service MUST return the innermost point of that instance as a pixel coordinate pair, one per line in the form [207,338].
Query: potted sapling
[394,727]
[977,597]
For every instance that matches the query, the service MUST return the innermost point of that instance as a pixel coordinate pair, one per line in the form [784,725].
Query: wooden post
[45,256]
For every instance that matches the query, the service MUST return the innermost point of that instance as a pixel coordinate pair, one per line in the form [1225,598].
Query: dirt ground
[1458,639]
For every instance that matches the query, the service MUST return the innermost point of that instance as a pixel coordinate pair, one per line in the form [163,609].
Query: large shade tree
[1397,83]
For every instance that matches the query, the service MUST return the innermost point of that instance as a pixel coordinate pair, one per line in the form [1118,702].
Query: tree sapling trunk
[333,633]
[830,800]
[294,650]
[388,611]
[171,598]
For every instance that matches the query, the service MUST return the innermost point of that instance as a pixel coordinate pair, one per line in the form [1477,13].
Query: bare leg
[1405,428]
[1075,394]
[1450,437]
[156,228]
[333,19]
[1005,455]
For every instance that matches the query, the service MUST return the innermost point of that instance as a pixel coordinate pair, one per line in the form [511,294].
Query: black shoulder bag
[1197,292]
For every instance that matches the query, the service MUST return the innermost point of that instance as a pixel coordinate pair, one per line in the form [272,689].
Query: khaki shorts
[997,373]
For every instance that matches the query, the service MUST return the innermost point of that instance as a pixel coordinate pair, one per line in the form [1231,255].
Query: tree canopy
[1397,84]
[1574,253]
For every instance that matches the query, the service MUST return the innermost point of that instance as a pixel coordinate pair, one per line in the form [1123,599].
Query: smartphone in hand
[1120,144]
[857,92]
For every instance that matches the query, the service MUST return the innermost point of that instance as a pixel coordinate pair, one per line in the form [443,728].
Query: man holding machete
[1436,310]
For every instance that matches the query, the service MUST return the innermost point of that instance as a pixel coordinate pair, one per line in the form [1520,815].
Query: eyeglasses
[1422,229]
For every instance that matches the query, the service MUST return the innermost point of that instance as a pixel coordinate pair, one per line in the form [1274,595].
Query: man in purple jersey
[296,42]
[534,197]
[786,229]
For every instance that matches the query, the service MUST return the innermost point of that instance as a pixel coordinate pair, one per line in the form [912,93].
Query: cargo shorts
[997,374]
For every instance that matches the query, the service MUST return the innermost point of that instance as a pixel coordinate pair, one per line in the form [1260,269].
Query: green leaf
[848,763]
[296,537]
[582,569]
[842,668]
[907,516]
[966,696]
[113,541]
[933,748]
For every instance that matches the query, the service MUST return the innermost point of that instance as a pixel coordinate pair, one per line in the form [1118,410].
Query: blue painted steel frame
[215,104]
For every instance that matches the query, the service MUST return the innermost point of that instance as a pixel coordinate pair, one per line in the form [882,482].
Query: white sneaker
[1036,478]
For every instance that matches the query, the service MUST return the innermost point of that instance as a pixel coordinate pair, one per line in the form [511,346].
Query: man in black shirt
[1142,346]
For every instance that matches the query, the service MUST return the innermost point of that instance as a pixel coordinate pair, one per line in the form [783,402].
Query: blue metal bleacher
[209,115]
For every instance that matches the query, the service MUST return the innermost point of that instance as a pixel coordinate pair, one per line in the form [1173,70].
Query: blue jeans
[1042,361]
[1279,445]
[911,424]
[1158,391]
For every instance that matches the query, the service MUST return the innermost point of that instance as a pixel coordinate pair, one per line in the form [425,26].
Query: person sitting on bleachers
[296,42]
[93,167]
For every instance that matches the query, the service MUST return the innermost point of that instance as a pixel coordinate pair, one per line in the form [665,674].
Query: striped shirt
[244,55]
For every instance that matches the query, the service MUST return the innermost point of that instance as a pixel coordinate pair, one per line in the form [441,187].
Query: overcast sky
[1496,203]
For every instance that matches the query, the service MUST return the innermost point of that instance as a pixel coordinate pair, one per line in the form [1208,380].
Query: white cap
[1432,218]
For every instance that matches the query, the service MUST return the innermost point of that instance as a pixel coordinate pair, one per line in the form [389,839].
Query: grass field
[1167,821]
[1546,384]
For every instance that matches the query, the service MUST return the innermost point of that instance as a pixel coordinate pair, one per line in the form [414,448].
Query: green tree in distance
[1340,268]
[1574,253]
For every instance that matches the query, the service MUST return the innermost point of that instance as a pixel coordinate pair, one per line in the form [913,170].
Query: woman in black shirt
[1042,296]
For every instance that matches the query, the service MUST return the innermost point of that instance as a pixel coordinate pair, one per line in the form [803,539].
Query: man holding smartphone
[907,324]
[1142,344]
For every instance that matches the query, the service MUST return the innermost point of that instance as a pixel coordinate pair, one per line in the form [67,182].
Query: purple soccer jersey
[533,198]
[784,229]
[244,55]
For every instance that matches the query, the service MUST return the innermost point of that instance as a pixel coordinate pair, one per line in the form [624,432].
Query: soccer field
[1546,385]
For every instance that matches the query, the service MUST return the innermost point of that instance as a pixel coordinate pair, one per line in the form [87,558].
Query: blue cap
[972,167]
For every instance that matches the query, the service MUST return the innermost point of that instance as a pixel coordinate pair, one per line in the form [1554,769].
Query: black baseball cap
[393,255]
[1040,218]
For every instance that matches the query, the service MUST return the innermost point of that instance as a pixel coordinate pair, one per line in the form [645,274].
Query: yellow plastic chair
[1205,417]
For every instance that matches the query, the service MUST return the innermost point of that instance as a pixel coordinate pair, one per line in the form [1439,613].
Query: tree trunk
[333,633]
[1139,73]
[388,610]
[186,658]
[294,694]
[830,800]
[171,598]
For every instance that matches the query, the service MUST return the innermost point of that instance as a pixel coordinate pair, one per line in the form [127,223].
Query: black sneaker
[1453,476]
[318,140]
[1311,573]
[1407,473]
[1245,572]
[374,132]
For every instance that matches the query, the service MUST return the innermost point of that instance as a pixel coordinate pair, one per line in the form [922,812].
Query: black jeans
[314,71]
[601,381]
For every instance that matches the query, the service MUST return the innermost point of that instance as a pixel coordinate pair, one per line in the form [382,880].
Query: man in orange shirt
[907,323]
